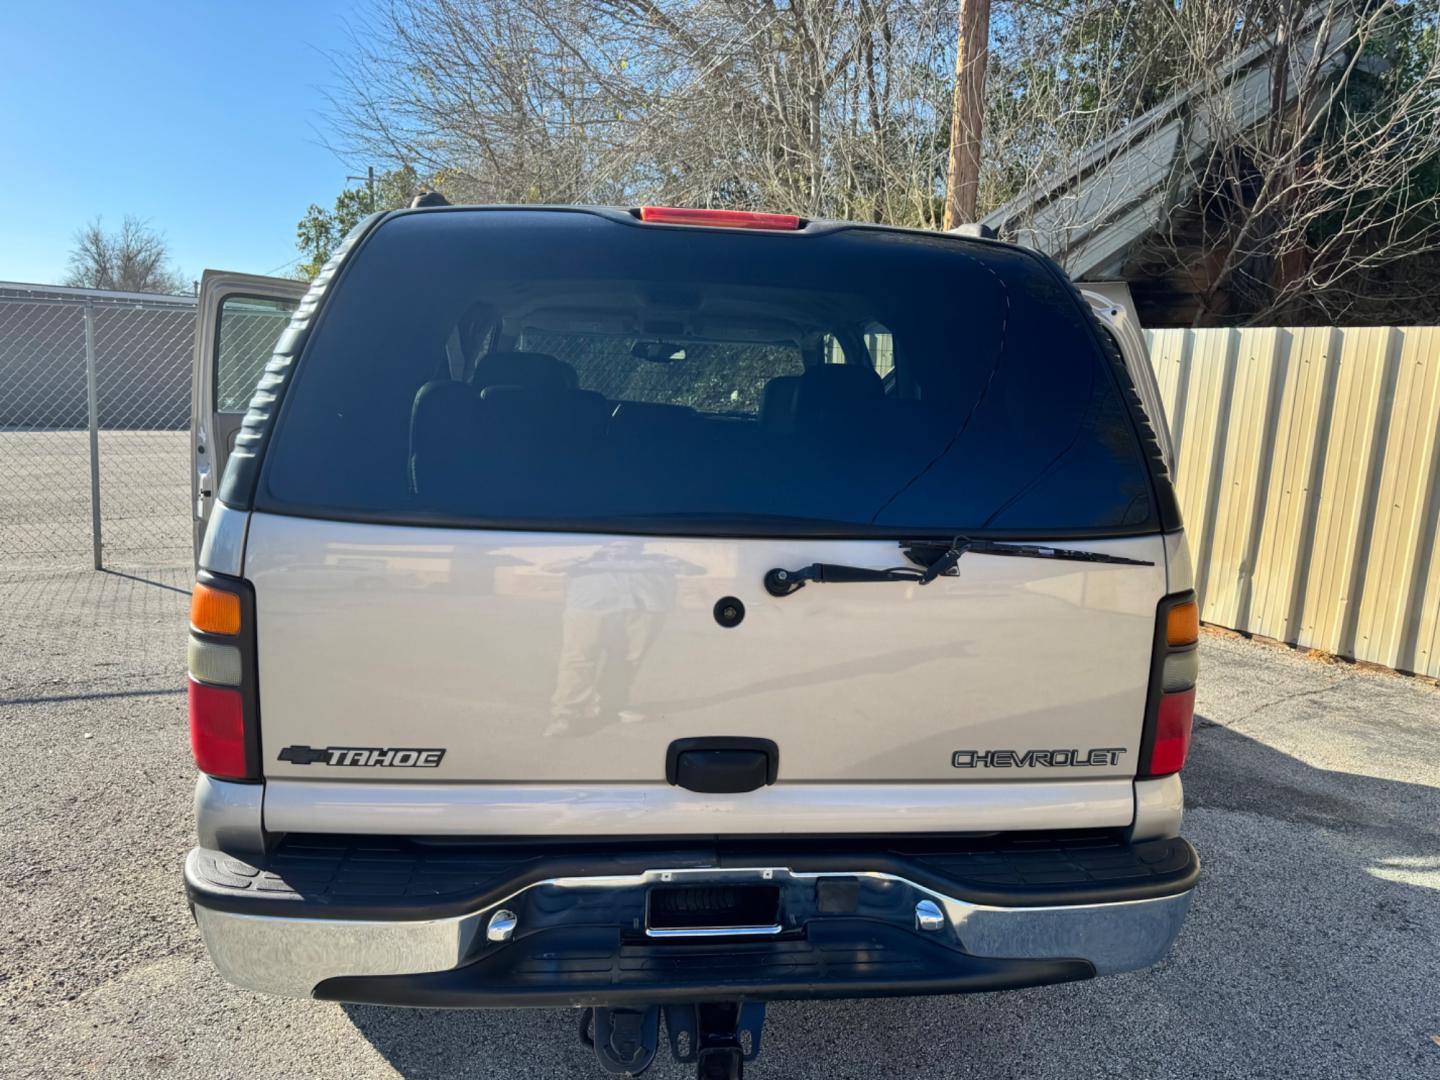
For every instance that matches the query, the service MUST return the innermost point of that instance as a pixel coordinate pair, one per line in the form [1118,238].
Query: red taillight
[725,219]
[224,712]
[1170,706]
[217,730]
[1172,732]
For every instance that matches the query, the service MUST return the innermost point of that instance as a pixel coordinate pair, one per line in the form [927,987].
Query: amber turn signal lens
[1182,624]
[213,611]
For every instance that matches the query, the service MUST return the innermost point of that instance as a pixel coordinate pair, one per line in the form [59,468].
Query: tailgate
[547,657]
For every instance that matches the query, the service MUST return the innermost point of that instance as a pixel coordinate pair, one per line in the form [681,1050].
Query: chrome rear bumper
[293,955]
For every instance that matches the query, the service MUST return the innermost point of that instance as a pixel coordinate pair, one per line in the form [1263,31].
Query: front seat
[531,370]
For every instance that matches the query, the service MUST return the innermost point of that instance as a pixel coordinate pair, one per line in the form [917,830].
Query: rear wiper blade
[935,561]
[922,552]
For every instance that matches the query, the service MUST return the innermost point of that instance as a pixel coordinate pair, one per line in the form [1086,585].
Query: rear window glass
[726,378]
[553,370]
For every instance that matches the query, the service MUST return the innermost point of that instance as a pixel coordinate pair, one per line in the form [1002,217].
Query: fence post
[94,411]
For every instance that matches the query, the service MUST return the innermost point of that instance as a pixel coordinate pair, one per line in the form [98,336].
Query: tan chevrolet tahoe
[665,612]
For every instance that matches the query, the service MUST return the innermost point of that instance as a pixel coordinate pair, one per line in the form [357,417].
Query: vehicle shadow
[1310,951]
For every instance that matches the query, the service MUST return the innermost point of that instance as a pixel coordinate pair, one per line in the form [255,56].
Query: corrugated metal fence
[1309,475]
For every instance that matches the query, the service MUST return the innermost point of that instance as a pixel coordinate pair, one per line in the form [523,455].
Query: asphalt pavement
[1312,950]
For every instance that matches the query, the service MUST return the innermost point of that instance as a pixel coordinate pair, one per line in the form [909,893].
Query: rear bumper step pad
[593,967]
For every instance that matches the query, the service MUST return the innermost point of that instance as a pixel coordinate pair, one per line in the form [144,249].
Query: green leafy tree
[320,231]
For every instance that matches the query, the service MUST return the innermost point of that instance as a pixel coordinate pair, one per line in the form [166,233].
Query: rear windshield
[553,370]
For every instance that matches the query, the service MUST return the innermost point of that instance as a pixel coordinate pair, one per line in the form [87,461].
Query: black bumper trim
[339,877]
[589,966]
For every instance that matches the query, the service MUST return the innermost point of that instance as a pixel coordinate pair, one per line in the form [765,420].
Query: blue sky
[205,118]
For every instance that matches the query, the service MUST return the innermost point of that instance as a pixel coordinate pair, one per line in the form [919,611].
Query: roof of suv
[804,226]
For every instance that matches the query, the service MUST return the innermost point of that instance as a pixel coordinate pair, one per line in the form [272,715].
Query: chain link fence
[94,416]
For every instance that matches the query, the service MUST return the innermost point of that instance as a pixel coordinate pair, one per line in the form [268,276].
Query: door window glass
[246,335]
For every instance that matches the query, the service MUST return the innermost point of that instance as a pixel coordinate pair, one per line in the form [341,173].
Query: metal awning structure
[1123,187]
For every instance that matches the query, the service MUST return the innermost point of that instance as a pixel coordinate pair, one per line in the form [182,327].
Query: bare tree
[831,108]
[1286,151]
[134,259]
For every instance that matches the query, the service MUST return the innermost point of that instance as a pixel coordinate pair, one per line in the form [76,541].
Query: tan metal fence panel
[1308,469]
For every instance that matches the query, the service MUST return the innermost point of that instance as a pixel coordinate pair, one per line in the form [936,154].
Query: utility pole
[967,116]
[369,179]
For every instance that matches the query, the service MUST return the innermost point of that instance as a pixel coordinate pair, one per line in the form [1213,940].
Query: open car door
[240,317]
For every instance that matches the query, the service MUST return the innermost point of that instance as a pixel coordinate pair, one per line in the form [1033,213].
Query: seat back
[444,434]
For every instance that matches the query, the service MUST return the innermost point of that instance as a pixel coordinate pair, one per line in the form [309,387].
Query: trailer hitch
[719,1037]
[624,1040]
[716,1037]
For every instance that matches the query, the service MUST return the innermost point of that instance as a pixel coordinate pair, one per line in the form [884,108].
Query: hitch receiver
[719,1037]
[716,1037]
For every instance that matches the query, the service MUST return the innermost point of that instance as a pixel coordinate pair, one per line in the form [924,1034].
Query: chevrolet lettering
[1027,759]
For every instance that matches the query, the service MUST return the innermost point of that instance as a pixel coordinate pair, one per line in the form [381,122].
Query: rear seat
[524,420]
[777,404]
[838,400]
[517,419]
[482,436]
[636,422]
[444,429]
[531,401]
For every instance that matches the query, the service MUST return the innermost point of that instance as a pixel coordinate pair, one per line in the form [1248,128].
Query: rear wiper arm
[782,582]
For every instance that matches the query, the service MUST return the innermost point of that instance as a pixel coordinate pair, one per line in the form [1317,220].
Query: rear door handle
[722,765]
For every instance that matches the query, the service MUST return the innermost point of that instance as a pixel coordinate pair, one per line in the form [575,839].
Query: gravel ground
[1311,951]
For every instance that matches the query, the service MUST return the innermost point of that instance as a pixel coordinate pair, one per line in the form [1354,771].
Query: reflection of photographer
[615,603]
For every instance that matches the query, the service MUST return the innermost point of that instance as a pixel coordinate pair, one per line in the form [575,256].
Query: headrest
[840,382]
[442,400]
[538,371]
[444,420]
[442,406]
[777,400]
